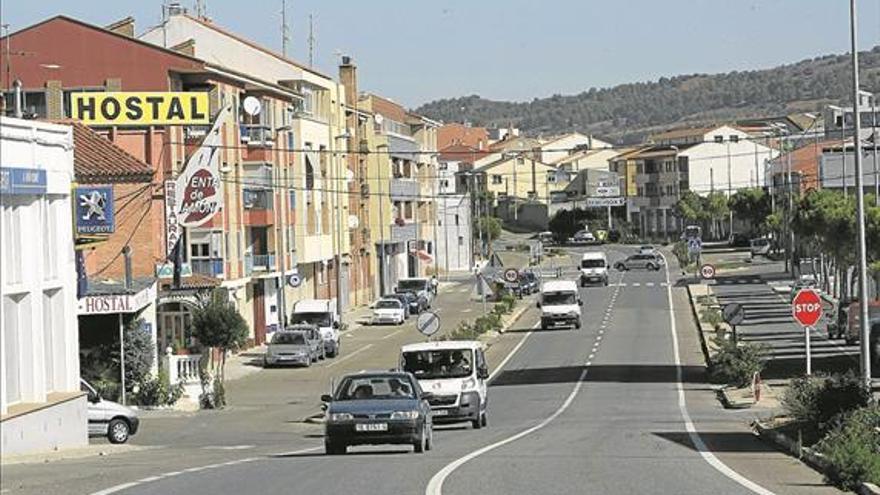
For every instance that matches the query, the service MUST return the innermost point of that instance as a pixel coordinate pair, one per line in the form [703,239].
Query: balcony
[403,232]
[212,267]
[258,263]
[258,207]
[256,135]
[404,189]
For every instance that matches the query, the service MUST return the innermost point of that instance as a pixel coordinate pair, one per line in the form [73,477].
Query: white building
[558,147]
[41,406]
[454,246]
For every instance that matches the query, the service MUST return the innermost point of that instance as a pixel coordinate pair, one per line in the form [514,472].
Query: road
[619,406]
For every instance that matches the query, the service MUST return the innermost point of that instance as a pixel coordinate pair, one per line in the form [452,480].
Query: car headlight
[468,384]
[573,314]
[405,415]
[335,417]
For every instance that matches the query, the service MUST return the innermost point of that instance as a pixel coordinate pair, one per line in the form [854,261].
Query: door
[259,313]
[95,411]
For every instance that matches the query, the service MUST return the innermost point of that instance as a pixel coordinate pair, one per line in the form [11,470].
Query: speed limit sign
[707,271]
[511,275]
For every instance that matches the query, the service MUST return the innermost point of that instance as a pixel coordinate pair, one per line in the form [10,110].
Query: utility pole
[311,40]
[729,184]
[874,139]
[790,237]
[864,323]
[285,31]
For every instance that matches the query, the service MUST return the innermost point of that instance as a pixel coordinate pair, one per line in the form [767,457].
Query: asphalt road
[597,410]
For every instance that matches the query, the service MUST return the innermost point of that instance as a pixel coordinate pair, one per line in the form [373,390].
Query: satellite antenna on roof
[378,118]
[252,106]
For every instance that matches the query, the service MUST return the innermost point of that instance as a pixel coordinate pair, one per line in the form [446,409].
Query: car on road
[593,268]
[420,286]
[107,418]
[647,249]
[528,282]
[414,303]
[289,347]
[455,372]
[388,312]
[560,304]
[738,240]
[760,246]
[375,408]
[313,337]
[583,237]
[323,314]
[639,261]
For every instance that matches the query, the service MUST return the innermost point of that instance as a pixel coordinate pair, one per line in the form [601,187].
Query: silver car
[107,418]
[313,336]
[287,347]
[640,261]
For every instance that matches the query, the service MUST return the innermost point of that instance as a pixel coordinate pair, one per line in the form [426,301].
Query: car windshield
[375,387]
[289,338]
[559,298]
[388,304]
[441,363]
[411,285]
[317,319]
[592,263]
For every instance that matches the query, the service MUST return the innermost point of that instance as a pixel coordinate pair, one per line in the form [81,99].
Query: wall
[452,256]
[516,179]
[63,426]
[711,159]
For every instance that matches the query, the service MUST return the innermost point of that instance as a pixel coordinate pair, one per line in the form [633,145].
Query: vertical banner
[199,195]
[172,226]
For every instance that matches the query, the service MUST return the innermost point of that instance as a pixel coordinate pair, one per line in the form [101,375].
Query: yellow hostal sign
[127,108]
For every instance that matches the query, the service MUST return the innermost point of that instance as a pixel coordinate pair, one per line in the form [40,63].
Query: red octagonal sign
[807,307]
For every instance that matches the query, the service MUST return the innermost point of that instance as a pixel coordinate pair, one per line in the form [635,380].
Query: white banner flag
[199,193]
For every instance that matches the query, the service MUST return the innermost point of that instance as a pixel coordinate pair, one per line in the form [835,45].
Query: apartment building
[521,177]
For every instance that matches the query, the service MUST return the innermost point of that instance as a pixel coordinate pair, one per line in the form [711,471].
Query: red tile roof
[97,160]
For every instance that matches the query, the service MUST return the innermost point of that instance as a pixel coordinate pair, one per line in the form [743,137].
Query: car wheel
[478,423]
[118,431]
[577,325]
[420,444]
[485,419]
[335,448]
[309,361]
[429,444]
[652,267]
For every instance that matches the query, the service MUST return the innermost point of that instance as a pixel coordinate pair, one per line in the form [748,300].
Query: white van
[560,304]
[594,268]
[455,373]
[321,313]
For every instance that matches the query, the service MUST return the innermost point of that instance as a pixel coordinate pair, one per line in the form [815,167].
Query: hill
[626,113]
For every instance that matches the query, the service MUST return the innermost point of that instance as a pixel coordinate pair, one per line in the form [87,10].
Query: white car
[109,419]
[388,312]
[584,236]
[455,373]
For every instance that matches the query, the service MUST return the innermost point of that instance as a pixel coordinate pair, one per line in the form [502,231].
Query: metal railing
[208,266]
[257,199]
[256,134]
[258,262]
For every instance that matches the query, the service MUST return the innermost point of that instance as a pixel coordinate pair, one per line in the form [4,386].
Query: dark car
[374,408]
[411,305]
[421,300]
[528,283]
[739,240]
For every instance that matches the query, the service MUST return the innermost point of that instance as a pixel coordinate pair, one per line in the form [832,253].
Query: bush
[817,400]
[853,449]
[711,316]
[139,351]
[736,364]
[158,391]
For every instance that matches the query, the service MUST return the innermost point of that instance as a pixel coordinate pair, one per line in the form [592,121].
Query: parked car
[760,246]
[739,240]
[583,237]
[107,418]
[313,336]
[388,312]
[289,347]
[528,283]
[647,249]
[421,286]
[637,261]
[414,302]
[374,408]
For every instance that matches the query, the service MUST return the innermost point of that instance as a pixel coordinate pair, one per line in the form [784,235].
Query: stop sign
[807,307]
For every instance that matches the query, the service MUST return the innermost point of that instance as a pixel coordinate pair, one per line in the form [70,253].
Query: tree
[489,228]
[565,223]
[139,349]
[752,205]
[716,211]
[690,207]
[217,324]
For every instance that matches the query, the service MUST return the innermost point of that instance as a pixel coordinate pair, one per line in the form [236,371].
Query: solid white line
[355,353]
[701,447]
[117,488]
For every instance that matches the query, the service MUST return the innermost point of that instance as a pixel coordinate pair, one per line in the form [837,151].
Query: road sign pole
[809,357]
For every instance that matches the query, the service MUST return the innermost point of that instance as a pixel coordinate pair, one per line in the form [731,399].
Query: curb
[869,489]
[806,455]
[728,403]
[703,344]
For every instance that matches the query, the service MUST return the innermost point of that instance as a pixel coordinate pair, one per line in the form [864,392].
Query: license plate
[440,412]
[371,427]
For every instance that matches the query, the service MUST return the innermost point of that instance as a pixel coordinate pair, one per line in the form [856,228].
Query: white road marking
[343,359]
[392,334]
[466,310]
[636,284]
[701,447]
[228,447]
[649,284]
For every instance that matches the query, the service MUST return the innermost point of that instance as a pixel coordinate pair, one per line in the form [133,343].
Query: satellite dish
[252,106]
[349,175]
[378,118]
[353,222]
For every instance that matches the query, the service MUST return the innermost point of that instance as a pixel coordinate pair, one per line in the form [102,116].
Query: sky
[415,51]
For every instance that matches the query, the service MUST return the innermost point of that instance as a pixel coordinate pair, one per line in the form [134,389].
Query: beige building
[522,178]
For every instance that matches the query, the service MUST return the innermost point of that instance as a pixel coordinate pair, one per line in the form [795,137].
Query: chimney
[348,78]
[124,27]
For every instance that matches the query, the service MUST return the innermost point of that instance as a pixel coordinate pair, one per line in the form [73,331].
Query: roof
[581,154]
[661,150]
[556,285]
[194,281]
[505,159]
[442,345]
[108,287]
[97,160]
[681,133]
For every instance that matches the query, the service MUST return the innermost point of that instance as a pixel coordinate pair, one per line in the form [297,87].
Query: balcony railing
[257,199]
[405,189]
[211,267]
[256,135]
[404,232]
[258,263]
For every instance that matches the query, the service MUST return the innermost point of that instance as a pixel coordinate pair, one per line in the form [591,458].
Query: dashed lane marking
[349,356]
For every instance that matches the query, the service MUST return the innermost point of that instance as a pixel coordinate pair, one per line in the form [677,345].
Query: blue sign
[94,210]
[14,180]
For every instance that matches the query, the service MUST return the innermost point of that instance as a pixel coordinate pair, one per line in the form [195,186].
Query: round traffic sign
[428,323]
[511,275]
[733,313]
[806,307]
[707,271]
[294,280]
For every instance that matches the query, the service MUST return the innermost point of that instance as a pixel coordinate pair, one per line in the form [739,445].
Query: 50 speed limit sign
[707,271]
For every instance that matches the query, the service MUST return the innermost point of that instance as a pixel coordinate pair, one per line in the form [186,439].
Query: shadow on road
[295,455]
[623,373]
[720,441]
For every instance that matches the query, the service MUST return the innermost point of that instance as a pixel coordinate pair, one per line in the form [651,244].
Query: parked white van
[455,373]
[594,268]
[560,304]
[321,313]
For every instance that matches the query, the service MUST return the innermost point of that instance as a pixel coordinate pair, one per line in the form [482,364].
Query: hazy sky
[414,51]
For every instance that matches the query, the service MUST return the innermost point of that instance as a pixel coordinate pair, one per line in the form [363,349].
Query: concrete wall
[452,255]
[63,425]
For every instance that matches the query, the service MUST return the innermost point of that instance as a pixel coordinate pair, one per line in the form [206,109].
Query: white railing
[183,368]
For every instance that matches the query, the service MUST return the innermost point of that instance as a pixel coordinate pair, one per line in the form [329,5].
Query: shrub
[816,401]
[139,350]
[158,391]
[853,449]
[737,364]
[712,316]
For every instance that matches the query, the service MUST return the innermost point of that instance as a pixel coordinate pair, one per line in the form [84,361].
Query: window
[719,139]
[733,138]
[322,273]
[497,179]
[310,174]
[12,236]
[308,101]
[460,240]
[456,219]
[291,199]
[33,103]
[520,161]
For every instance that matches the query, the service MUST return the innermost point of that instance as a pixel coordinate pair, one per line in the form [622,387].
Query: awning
[424,256]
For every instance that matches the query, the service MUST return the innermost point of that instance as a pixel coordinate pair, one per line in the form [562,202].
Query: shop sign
[19,181]
[199,195]
[94,210]
[116,303]
[140,109]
